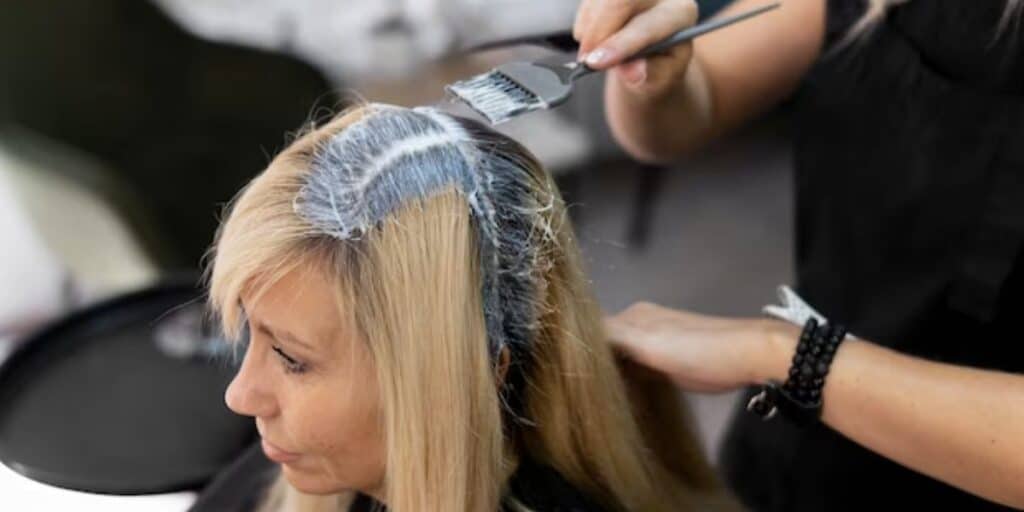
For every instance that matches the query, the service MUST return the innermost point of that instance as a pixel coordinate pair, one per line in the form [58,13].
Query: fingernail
[596,57]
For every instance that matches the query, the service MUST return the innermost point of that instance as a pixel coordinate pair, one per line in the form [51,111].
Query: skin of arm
[961,425]
[680,102]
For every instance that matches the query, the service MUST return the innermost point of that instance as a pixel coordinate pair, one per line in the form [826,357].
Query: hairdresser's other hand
[703,353]
[611,30]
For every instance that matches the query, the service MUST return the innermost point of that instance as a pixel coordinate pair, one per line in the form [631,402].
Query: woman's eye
[290,364]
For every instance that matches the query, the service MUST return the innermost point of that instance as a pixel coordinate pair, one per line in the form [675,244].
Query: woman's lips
[278,455]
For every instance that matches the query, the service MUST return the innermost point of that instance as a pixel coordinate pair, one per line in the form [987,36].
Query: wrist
[773,353]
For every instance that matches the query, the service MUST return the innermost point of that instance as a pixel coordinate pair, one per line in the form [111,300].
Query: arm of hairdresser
[665,106]
[961,425]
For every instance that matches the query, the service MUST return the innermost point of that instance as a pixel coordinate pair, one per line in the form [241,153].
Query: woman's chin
[311,484]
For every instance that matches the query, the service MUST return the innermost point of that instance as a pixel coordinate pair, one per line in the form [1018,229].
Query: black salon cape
[239,487]
[909,156]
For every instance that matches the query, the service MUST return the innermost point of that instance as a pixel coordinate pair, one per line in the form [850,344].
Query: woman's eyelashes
[291,365]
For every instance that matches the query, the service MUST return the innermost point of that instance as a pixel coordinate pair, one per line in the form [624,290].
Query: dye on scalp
[394,155]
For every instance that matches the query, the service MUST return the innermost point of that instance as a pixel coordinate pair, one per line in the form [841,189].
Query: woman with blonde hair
[420,336]
[907,121]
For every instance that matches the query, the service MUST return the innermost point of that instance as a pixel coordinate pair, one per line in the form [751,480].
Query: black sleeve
[239,487]
[840,16]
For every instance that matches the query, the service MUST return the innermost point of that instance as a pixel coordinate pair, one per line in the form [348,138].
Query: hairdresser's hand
[611,30]
[703,353]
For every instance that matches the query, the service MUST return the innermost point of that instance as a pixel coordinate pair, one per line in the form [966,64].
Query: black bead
[821,368]
[806,371]
[811,325]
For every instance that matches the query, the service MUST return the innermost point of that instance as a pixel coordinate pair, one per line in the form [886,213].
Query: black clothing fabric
[909,152]
[240,487]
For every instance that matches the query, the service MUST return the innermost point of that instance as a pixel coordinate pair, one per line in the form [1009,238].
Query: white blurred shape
[31,277]
[20,493]
[356,40]
[64,245]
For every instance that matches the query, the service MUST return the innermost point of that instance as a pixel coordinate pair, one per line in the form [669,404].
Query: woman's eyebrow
[283,335]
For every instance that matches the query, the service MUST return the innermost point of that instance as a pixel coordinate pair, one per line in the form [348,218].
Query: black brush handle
[563,41]
[689,33]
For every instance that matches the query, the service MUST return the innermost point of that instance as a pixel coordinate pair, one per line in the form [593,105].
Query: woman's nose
[248,394]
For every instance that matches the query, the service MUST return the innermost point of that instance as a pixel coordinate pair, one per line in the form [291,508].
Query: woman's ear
[504,361]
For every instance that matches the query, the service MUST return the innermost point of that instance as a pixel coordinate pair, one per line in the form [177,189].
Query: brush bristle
[495,96]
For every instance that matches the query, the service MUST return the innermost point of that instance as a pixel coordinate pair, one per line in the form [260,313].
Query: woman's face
[309,382]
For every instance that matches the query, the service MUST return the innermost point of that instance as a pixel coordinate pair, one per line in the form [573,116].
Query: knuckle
[618,9]
[622,5]
[642,307]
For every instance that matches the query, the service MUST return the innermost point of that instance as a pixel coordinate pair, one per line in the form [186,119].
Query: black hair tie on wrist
[799,398]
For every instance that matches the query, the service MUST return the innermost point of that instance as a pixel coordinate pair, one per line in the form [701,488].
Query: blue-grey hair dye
[393,155]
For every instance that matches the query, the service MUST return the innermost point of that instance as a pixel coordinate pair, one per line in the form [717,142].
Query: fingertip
[600,58]
[586,47]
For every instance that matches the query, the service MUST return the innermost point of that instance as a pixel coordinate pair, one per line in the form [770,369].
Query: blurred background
[125,125]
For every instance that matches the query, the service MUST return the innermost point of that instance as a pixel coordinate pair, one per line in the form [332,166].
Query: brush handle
[688,34]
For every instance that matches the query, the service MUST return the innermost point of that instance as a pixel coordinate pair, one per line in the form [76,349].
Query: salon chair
[121,391]
[124,397]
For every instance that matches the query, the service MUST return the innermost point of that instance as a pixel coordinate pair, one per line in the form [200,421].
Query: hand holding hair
[919,413]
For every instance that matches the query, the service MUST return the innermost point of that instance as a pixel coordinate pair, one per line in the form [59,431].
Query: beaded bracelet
[799,398]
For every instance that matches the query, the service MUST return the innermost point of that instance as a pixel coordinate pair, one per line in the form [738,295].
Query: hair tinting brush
[520,87]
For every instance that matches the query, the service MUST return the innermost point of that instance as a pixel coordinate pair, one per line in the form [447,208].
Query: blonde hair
[412,285]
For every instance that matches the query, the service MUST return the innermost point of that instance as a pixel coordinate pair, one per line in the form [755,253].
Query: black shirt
[909,154]
[240,487]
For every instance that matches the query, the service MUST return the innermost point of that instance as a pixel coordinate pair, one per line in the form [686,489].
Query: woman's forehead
[301,302]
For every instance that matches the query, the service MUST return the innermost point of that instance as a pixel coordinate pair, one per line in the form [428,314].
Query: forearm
[960,425]
[733,76]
